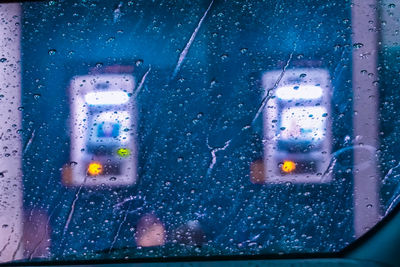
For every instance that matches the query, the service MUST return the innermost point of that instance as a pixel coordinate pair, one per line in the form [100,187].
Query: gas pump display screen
[109,126]
[303,124]
[108,131]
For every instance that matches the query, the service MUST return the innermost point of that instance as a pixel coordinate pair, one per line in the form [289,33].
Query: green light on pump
[123,152]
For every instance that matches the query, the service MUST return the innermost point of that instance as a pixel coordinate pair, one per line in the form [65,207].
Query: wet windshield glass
[138,128]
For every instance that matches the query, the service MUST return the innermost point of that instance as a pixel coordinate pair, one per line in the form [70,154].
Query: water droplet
[20,108]
[73,163]
[180,159]
[391,6]
[99,65]
[303,75]
[111,39]
[113,178]
[358,45]
[3,59]
[139,62]
[36,96]
[337,47]
[243,50]
[52,52]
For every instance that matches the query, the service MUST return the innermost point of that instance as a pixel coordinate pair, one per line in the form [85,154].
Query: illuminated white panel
[107,98]
[299,92]
[303,123]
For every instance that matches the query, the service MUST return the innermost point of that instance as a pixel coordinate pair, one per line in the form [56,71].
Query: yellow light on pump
[95,168]
[288,166]
[123,152]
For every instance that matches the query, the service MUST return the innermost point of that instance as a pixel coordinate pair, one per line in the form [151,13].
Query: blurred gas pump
[103,129]
[297,126]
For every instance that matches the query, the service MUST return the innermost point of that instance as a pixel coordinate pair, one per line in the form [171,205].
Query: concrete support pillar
[365,118]
[10,138]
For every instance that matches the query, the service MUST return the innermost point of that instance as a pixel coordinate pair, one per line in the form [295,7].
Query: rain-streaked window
[150,129]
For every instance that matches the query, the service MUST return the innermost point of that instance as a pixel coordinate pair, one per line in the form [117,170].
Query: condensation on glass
[134,129]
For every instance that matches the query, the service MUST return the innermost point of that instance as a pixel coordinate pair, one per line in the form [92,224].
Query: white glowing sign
[299,92]
[106,98]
